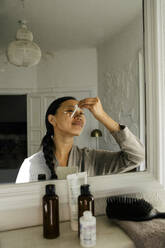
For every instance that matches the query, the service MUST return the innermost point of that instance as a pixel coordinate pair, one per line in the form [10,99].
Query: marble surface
[108,235]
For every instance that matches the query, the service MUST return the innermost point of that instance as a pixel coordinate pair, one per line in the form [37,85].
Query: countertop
[108,236]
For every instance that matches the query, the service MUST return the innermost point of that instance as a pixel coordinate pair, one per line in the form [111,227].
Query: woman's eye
[69,111]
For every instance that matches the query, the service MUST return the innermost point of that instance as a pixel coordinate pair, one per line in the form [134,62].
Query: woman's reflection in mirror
[58,155]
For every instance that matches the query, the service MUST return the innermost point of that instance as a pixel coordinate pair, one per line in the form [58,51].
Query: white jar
[87,230]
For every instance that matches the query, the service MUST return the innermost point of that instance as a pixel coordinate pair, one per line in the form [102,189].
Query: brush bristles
[121,207]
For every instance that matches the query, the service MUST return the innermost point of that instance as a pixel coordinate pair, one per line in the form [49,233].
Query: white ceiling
[61,24]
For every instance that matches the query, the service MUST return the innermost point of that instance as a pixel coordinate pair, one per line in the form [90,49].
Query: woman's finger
[88,106]
[87,101]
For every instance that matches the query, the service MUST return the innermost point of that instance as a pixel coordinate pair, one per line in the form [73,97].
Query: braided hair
[47,143]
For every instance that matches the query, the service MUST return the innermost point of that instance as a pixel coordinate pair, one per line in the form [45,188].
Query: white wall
[13,77]
[63,69]
[68,68]
[118,79]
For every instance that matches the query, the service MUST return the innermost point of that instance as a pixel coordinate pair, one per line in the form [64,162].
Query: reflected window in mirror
[13,135]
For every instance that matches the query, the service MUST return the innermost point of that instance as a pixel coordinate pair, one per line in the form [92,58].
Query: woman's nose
[77,115]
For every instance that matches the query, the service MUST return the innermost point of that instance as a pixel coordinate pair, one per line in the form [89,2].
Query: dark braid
[48,150]
[47,141]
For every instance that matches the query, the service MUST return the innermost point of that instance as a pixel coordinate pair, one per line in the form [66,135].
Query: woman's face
[65,123]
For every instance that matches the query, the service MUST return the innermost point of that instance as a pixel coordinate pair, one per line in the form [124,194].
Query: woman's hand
[94,105]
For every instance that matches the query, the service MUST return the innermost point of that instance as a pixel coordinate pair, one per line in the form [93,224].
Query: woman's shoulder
[36,157]
[32,167]
[35,160]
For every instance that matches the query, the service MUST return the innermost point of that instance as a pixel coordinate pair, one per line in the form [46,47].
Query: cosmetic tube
[74,182]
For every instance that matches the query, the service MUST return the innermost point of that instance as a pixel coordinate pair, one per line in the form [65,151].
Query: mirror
[88,48]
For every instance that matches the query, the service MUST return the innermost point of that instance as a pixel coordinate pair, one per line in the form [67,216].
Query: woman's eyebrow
[70,106]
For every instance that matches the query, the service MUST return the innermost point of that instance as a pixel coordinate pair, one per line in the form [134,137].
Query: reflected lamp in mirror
[96,133]
[23,51]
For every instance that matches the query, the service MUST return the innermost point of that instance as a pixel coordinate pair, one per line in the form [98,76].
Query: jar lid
[41,177]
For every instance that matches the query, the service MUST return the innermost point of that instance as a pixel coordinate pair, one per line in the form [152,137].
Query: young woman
[63,122]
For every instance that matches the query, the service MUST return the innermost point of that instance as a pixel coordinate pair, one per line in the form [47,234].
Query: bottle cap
[41,177]
[87,215]
[84,189]
[50,189]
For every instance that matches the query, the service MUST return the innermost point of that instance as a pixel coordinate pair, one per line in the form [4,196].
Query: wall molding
[8,91]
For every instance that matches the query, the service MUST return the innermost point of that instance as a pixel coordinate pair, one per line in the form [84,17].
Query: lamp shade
[23,51]
[96,133]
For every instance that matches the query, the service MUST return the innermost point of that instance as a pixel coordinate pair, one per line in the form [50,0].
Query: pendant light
[23,51]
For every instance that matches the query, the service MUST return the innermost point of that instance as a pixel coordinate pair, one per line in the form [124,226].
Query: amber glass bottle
[85,202]
[50,213]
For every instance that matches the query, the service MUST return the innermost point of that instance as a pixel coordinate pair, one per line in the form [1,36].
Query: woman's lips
[78,123]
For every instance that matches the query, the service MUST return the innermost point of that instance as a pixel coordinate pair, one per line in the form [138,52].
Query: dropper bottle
[87,230]
[85,202]
[50,213]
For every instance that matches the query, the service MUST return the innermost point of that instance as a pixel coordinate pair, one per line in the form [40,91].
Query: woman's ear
[52,120]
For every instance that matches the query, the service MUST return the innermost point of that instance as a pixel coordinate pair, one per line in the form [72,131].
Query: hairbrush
[127,208]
